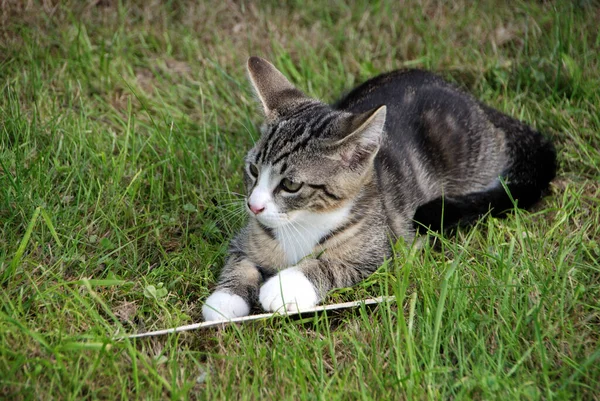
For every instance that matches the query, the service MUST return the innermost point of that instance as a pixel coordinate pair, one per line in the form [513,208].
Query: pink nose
[255,209]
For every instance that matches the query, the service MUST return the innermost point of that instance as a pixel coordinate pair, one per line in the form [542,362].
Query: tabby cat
[331,187]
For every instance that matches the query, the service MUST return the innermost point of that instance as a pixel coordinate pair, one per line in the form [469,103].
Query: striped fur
[335,185]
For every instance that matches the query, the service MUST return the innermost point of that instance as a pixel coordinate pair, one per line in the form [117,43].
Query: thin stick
[262,316]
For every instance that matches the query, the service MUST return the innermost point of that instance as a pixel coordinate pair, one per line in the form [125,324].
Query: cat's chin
[274,221]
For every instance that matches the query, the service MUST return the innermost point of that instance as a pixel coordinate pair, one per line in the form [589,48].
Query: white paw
[289,291]
[224,306]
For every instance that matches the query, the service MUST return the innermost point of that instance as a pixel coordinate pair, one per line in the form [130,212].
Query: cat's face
[310,159]
[295,169]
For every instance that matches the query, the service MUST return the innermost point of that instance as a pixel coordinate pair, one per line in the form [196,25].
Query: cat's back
[396,89]
[419,104]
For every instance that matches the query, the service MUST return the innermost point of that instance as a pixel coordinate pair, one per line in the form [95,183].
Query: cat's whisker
[297,239]
[294,239]
[233,208]
[237,195]
[237,214]
[300,240]
[305,225]
[285,235]
[231,201]
[283,243]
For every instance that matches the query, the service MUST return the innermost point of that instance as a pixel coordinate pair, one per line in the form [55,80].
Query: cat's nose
[255,209]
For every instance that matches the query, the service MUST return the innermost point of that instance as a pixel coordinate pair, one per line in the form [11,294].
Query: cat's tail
[531,168]
[532,159]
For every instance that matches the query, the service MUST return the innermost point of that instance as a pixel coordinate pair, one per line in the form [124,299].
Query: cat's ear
[365,133]
[272,88]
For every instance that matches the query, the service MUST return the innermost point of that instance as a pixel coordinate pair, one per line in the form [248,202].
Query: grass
[122,131]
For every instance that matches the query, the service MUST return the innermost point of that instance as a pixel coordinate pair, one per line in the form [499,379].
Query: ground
[123,125]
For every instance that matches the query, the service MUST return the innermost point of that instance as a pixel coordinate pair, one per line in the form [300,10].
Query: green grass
[122,131]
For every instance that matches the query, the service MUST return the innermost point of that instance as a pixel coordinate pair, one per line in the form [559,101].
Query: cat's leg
[305,285]
[236,291]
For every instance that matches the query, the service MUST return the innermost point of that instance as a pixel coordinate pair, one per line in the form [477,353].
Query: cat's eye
[253,170]
[290,186]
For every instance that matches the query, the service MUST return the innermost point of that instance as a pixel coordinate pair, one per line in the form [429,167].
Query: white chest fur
[299,238]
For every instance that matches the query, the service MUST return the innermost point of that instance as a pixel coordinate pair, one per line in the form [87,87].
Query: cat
[331,187]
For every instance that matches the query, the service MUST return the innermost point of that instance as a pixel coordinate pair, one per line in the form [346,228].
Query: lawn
[123,127]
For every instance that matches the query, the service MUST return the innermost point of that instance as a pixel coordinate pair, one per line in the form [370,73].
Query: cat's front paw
[222,305]
[289,291]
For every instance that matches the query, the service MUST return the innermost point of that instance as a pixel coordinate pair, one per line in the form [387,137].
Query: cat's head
[310,158]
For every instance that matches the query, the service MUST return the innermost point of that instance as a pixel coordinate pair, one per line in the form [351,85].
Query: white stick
[221,323]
